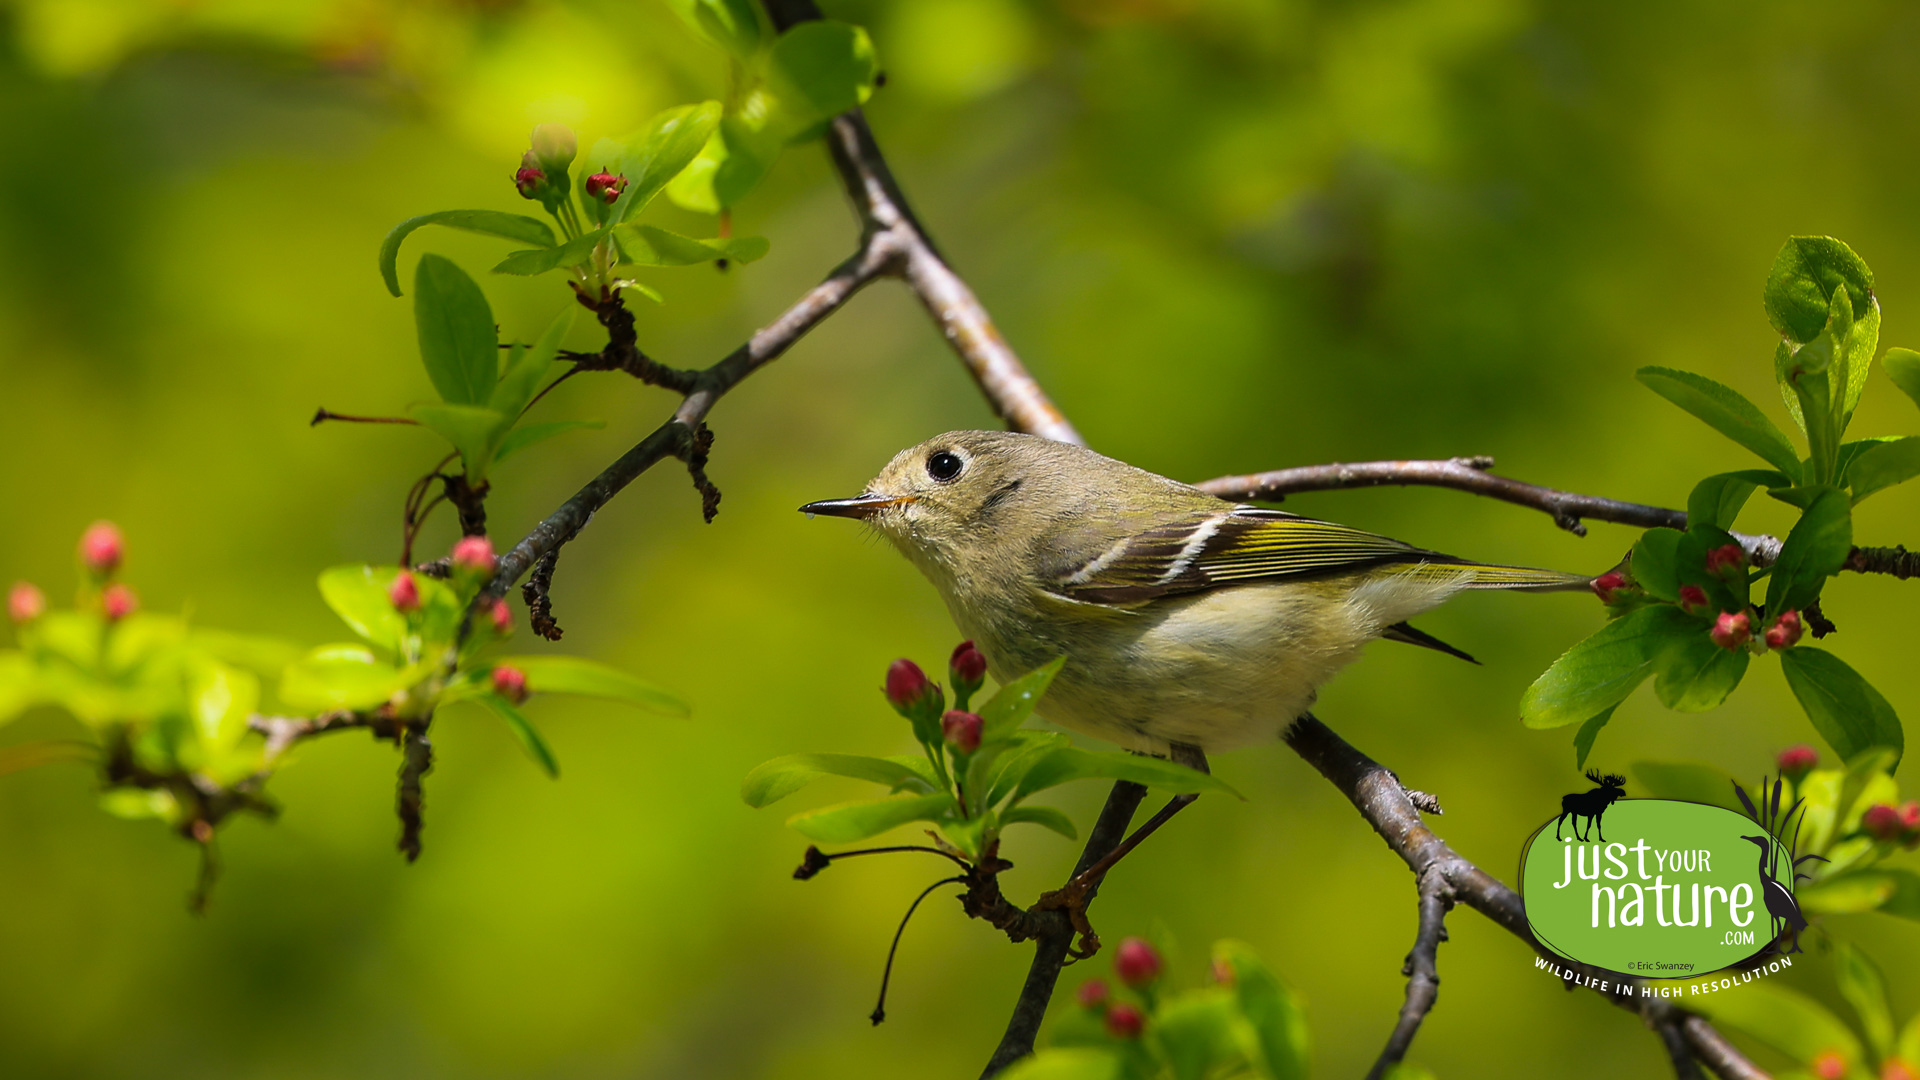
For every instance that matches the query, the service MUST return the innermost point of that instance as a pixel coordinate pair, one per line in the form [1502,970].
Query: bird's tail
[1471,575]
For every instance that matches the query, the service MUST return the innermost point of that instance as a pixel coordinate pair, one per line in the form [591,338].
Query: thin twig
[1422,969]
[886,974]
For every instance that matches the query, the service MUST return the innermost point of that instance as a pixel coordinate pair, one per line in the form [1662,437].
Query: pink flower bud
[501,616]
[906,684]
[405,593]
[1124,1021]
[1898,1069]
[1693,599]
[474,554]
[1726,559]
[1092,994]
[1910,815]
[1136,962]
[1785,631]
[967,667]
[510,683]
[528,177]
[118,602]
[25,602]
[606,187]
[1731,630]
[101,548]
[1607,584]
[1222,971]
[1882,822]
[1829,1065]
[962,730]
[1797,761]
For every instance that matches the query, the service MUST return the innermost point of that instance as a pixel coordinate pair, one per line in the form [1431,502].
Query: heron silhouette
[1781,906]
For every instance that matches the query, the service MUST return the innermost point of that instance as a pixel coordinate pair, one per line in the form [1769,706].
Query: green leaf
[1589,731]
[540,260]
[654,155]
[455,326]
[1847,711]
[1011,766]
[1717,500]
[359,595]
[1196,1031]
[525,371]
[1044,816]
[644,245]
[1274,1011]
[519,227]
[1786,1020]
[733,25]
[1808,374]
[1599,672]
[340,677]
[1814,551]
[1655,562]
[1725,411]
[775,780]
[1866,990]
[818,70]
[1849,893]
[1903,367]
[474,430]
[1805,275]
[588,678]
[1687,782]
[1010,705]
[1882,465]
[1068,1063]
[848,822]
[523,730]
[529,435]
[1692,674]
[1067,763]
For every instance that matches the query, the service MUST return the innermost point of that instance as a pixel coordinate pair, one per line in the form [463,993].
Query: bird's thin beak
[860,506]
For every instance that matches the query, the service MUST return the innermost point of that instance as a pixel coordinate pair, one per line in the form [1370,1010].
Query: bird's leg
[1075,894]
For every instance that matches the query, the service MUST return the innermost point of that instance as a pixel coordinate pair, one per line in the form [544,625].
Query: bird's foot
[1072,898]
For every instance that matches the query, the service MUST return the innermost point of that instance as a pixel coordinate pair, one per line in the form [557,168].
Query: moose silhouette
[1590,805]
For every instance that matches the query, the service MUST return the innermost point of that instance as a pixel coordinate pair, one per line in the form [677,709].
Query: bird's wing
[1208,549]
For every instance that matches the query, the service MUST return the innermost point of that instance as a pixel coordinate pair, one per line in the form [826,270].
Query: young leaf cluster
[1687,608]
[1814,1036]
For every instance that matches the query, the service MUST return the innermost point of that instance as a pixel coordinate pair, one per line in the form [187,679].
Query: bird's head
[1765,843]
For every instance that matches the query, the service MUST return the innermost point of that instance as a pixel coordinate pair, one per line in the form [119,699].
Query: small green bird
[1186,621]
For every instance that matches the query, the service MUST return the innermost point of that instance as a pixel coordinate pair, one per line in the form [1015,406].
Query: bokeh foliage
[1226,235]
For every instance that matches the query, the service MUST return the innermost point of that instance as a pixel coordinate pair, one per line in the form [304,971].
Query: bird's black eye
[944,465]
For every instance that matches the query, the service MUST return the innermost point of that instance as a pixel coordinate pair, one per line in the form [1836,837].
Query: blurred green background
[1226,234]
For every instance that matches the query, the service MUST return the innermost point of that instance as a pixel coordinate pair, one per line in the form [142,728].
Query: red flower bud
[1607,584]
[606,187]
[1222,971]
[962,730]
[1910,815]
[1693,599]
[1828,1065]
[1124,1021]
[1882,822]
[501,616]
[1898,1069]
[1726,559]
[1785,631]
[1136,962]
[405,593]
[510,683]
[101,548]
[967,667]
[528,177]
[1731,630]
[118,602]
[1797,761]
[1092,994]
[474,554]
[906,684]
[25,602]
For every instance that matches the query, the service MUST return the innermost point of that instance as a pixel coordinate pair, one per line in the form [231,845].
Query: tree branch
[1378,796]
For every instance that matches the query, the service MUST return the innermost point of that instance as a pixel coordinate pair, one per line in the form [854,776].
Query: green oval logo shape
[1675,889]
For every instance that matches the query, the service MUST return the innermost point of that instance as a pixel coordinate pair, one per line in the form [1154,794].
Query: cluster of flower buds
[1785,631]
[1137,964]
[1797,761]
[1731,630]
[1828,1065]
[1694,600]
[404,593]
[962,729]
[25,602]
[1902,823]
[510,683]
[1727,561]
[605,186]
[102,550]
[1609,585]
[1897,1068]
